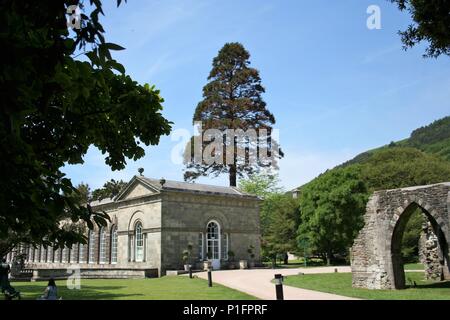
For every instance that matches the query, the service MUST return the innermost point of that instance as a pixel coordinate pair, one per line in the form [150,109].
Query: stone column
[430,254]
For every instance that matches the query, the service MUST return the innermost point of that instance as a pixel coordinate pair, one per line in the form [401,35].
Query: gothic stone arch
[376,261]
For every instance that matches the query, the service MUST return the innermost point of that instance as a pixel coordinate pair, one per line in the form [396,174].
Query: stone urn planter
[187,266]
[243,264]
[207,265]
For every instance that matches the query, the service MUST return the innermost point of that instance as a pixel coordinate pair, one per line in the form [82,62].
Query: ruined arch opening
[435,239]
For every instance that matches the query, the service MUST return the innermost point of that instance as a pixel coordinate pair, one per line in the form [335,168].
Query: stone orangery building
[152,223]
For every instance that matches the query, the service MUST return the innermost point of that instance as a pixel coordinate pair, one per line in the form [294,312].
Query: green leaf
[113,46]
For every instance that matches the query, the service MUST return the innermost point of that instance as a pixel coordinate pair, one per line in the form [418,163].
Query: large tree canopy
[53,107]
[279,216]
[431,23]
[232,100]
[109,190]
[331,208]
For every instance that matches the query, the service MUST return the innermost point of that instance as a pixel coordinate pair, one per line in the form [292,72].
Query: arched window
[213,240]
[43,254]
[39,251]
[73,254]
[50,253]
[139,242]
[91,253]
[30,254]
[102,245]
[114,244]
[64,255]
[81,253]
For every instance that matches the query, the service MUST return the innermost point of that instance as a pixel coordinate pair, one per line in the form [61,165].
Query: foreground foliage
[431,24]
[279,216]
[53,107]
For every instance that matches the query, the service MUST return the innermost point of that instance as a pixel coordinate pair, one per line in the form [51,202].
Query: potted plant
[243,264]
[231,259]
[207,263]
[187,257]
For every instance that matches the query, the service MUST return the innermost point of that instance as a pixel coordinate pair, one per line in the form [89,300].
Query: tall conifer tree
[232,99]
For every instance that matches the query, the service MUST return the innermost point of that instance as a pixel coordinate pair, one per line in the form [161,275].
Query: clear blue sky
[335,87]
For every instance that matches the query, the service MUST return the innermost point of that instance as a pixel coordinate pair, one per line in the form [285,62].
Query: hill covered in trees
[332,205]
[433,139]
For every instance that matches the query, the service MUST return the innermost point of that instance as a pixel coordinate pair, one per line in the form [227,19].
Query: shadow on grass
[435,285]
[86,292]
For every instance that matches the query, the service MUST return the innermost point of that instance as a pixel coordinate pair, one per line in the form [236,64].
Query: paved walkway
[257,282]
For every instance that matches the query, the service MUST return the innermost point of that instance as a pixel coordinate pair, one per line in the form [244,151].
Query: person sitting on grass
[5,286]
[51,292]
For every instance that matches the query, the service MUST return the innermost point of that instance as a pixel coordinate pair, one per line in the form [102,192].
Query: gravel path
[257,282]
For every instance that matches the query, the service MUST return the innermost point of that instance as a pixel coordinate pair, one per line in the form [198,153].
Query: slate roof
[171,185]
[196,187]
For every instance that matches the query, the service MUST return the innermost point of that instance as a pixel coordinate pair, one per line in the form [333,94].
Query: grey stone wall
[376,256]
[184,216]
[93,273]
[170,220]
[430,253]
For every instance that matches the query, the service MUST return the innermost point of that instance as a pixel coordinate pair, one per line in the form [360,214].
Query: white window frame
[102,247]
[43,254]
[139,243]
[50,253]
[72,253]
[64,255]
[114,240]
[213,242]
[81,253]
[91,251]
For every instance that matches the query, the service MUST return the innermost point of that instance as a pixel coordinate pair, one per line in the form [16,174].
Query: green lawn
[414,266]
[341,283]
[165,288]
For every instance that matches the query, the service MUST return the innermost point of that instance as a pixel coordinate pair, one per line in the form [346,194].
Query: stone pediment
[135,189]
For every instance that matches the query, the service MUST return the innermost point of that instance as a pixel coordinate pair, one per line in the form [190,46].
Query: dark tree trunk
[286,258]
[233,174]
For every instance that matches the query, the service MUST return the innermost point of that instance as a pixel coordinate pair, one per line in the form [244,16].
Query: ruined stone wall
[376,256]
[430,253]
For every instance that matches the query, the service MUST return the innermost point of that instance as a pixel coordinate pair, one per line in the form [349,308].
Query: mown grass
[341,284]
[165,288]
[414,266]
